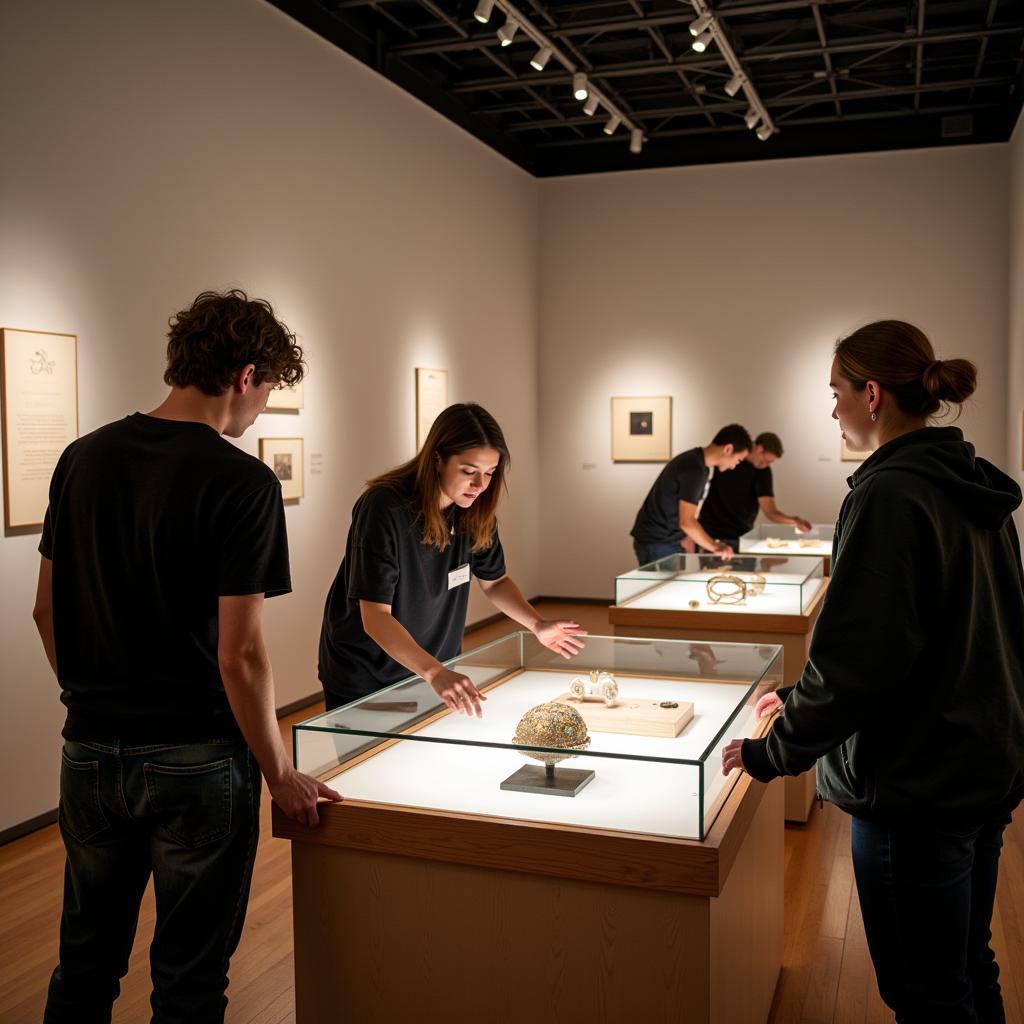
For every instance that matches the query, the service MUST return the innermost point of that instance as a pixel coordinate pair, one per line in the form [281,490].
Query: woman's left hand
[559,635]
[732,757]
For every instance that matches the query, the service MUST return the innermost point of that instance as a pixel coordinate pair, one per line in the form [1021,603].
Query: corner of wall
[1015,318]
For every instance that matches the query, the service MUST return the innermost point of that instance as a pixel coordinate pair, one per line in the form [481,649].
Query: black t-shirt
[386,562]
[683,479]
[151,521]
[732,505]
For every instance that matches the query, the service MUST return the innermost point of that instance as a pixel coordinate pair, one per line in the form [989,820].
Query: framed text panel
[431,400]
[39,391]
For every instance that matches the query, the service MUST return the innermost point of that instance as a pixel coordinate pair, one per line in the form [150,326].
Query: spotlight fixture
[540,61]
[698,25]
[702,42]
[765,132]
[547,50]
[752,117]
[734,84]
[508,31]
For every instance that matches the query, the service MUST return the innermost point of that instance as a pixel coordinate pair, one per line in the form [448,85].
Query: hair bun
[950,380]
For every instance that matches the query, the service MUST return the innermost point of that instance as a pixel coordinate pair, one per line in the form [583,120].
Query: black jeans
[927,898]
[188,815]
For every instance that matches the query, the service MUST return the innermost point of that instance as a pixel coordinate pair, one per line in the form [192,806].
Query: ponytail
[901,358]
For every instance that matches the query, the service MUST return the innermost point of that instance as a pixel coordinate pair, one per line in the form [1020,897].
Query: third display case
[777,538]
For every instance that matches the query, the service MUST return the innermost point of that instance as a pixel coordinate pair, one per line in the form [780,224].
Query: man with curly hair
[160,544]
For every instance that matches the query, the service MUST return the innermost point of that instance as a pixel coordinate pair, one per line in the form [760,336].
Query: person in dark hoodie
[912,700]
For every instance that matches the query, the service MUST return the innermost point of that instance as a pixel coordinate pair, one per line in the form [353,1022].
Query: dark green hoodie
[912,700]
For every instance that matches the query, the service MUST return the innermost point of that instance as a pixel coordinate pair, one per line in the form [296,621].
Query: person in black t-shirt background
[734,499]
[668,516]
[419,533]
[160,543]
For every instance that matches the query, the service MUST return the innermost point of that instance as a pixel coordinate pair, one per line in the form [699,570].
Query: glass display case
[626,736]
[746,585]
[773,538]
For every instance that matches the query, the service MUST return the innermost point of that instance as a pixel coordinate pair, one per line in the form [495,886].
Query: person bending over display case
[419,533]
[668,516]
[734,499]
[913,695]
[160,543]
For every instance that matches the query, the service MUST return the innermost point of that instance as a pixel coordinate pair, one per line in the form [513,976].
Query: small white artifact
[599,686]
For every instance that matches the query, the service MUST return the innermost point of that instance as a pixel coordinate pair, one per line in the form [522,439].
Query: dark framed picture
[642,429]
[284,456]
[641,423]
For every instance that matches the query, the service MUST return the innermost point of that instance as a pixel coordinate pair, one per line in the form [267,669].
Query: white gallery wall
[726,288]
[156,149]
[153,150]
[1015,364]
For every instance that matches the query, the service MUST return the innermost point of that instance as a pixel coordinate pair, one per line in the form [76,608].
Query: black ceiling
[836,77]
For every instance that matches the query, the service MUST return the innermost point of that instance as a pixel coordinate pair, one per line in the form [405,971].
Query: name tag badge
[457,577]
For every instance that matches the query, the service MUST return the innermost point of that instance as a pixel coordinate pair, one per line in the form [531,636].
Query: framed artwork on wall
[284,456]
[286,399]
[847,454]
[39,393]
[431,400]
[642,429]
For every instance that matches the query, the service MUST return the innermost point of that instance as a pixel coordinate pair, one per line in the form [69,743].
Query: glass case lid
[631,729]
[518,674]
[768,538]
[746,584]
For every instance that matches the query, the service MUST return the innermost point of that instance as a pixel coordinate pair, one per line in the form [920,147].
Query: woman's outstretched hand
[560,636]
[458,692]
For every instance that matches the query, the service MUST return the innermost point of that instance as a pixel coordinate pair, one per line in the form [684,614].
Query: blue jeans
[188,815]
[647,553]
[927,895]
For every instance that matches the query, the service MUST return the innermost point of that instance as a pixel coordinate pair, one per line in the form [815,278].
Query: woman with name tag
[419,532]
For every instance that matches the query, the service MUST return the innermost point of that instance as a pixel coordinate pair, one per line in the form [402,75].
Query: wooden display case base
[800,793]
[382,938]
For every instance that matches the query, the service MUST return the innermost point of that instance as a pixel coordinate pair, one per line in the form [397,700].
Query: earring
[873,417]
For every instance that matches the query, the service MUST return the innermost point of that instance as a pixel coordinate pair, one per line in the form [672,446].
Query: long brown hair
[901,358]
[457,429]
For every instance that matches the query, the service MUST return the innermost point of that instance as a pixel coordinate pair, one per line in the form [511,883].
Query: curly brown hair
[221,332]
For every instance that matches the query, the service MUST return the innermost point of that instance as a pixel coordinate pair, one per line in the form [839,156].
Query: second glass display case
[744,585]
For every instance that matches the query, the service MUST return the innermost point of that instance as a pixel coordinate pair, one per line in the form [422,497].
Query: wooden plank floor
[826,977]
